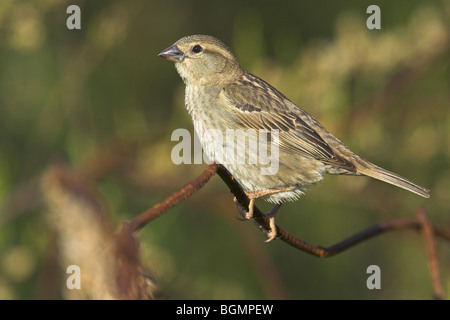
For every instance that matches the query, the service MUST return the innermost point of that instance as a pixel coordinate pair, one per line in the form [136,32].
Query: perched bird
[221,96]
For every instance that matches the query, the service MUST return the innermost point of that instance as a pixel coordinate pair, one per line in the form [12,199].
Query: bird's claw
[272,234]
[247,215]
[270,237]
[241,210]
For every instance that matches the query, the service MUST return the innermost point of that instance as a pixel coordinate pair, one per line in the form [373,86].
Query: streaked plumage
[221,95]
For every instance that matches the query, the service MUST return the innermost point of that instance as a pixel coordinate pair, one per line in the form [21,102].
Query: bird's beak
[172,53]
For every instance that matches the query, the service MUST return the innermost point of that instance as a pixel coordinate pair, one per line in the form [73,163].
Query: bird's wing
[257,105]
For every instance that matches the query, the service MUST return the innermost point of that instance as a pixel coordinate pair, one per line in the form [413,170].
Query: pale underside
[294,173]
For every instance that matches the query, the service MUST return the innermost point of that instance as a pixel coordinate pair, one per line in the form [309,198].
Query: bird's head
[202,60]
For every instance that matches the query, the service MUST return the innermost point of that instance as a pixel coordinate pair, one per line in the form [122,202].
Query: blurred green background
[81,96]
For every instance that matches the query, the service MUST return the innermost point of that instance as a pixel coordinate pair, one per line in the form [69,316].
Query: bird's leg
[272,234]
[251,205]
[257,194]
[246,214]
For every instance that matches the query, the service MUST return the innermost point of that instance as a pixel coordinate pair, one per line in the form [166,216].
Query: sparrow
[221,96]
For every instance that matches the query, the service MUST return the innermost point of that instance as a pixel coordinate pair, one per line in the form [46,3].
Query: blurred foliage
[101,100]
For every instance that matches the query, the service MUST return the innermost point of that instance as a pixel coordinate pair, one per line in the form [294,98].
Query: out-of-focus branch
[109,263]
[433,262]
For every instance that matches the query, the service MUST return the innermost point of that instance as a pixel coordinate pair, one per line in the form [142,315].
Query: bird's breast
[214,121]
[201,103]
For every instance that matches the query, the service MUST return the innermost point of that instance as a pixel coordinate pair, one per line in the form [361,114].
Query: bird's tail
[376,172]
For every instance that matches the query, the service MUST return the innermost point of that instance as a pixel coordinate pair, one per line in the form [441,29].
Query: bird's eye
[197,48]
